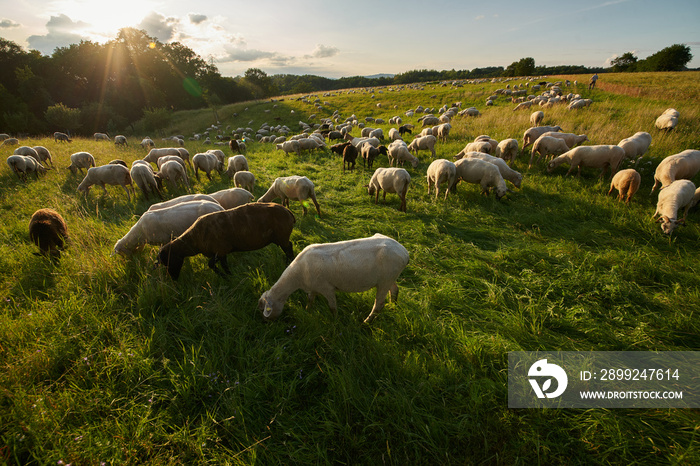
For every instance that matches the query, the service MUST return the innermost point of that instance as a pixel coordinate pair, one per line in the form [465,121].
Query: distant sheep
[61,137]
[120,140]
[626,182]
[351,266]
[441,171]
[423,143]
[245,228]
[147,142]
[289,146]
[536,118]
[107,174]
[682,166]
[391,180]
[507,149]
[48,230]
[207,162]
[155,154]
[235,164]
[678,195]
[296,188]
[602,156]
[101,137]
[244,179]
[81,160]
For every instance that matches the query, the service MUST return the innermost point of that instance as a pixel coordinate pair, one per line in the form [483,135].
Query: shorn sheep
[636,145]
[423,143]
[678,195]
[536,118]
[207,162]
[626,182]
[682,166]
[668,120]
[180,200]
[143,176]
[398,152]
[296,188]
[545,146]
[48,230]
[602,156]
[245,228]
[107,174]
[485,174]
[232,197]
[173,172]
[507,149]
[22,165]
[507,173]
[351,266]
[235,164]
[391,180]
[157,227]
[61,137]
[531,134]
[441,171]
[244,179]
[43,155]
[80,160]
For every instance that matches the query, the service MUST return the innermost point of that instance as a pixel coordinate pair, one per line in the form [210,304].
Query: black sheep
[49,231]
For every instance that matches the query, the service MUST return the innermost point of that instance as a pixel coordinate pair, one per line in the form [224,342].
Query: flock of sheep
[219,223]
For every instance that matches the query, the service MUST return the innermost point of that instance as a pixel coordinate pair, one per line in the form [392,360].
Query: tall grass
[106,359]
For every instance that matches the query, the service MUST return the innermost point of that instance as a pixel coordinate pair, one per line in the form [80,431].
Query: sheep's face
[668,224]
[271,310]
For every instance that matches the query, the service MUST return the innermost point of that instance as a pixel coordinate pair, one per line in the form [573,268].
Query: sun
[99,21]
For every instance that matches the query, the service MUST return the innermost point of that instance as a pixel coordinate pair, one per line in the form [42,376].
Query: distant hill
[381,75]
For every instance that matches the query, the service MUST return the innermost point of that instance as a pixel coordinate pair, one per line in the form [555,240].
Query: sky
[367,37]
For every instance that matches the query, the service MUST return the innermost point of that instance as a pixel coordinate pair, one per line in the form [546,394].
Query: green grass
[106,359]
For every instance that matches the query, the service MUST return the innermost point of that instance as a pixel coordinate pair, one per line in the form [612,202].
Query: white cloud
[61,34]
[323,51]
[159,26]
[480,17]
[196,19]
[8,23]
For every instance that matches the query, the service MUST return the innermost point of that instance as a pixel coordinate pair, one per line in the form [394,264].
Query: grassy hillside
[106,359]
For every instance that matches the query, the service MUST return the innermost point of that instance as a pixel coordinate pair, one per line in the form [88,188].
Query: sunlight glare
[102,21]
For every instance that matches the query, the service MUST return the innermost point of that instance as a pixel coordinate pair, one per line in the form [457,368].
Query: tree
[625,62]
[522,67]
[673,58]
[259,82]
[62,117]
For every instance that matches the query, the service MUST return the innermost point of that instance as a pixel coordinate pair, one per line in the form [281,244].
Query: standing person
[591,83]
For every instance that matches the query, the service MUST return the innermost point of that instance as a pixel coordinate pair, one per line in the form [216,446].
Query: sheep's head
[270,309]
[668,225]
[172,261]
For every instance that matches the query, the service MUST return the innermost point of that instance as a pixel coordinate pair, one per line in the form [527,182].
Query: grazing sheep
[27,151]
[398,151]
[207,162]
[101,137]
[120,140]
[394,134]
[425,142]
[507,149]
[506,172]
[182,199]
[161,226]
[602,156]
[442,131]
[48,230]
[168,158]
[245,228]
[118,162]
[370,153]
[155,154]
[289,146]
[10,142]
[441,171]
[244,179]
[536,118]
[22,165]
[682,166]
[480,172]
[61,137]
[531,134]
[572,140]
[235,164]
[43,154]
[184,155]
[546,146]
[523,105]
[81,160]
[107,174]
[296,188]
[626,182]
[636,146]
[351,266]
[476,146]
[232,197]
[173,172]
[143,176]
[676,196]
[668,120]
[147,143]
[391,180]
[405,129]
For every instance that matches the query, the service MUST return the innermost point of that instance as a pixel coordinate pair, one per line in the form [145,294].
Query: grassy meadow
[106,360]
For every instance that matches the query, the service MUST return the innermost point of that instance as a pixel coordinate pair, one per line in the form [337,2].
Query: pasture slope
[106,360]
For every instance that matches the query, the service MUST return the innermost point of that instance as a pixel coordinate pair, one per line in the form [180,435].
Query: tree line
[135,79]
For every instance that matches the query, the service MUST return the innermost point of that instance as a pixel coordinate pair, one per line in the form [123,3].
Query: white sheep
[602,156]
[296,188]
[398,151]
[22,165]
[61,137]
[391,180]
[173,172]
[235,164]
[636,146]
[147,142]
[506,172]
[485,174]
[244,179]
[207,162]
[43,154]
[531,134]
[155,154]
[112,174]
[101,137]
[546,146]
[160,226]
[443,131]
[142,174]
[678,195]
[536,118]
[168,158]
[289,146]
[626,182]
[80,160]
[507,149]
[667,120]
[351,266]
[120,140]
[232,197]
[572,140]
[682,166]
[425,143]
[441,171]
[394,134]
[182,199]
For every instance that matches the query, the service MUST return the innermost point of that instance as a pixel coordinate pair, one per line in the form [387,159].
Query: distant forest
[135,79]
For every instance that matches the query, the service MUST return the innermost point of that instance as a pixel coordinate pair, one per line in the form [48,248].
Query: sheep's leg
[318,208]
[394,290]
[104,188]
[332,304]
[224,264]
[311,297]
[128,196]
[378,306]
[288,251]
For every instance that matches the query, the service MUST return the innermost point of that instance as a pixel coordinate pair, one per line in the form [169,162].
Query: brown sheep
[49,231]
[626,182]
[245,228]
